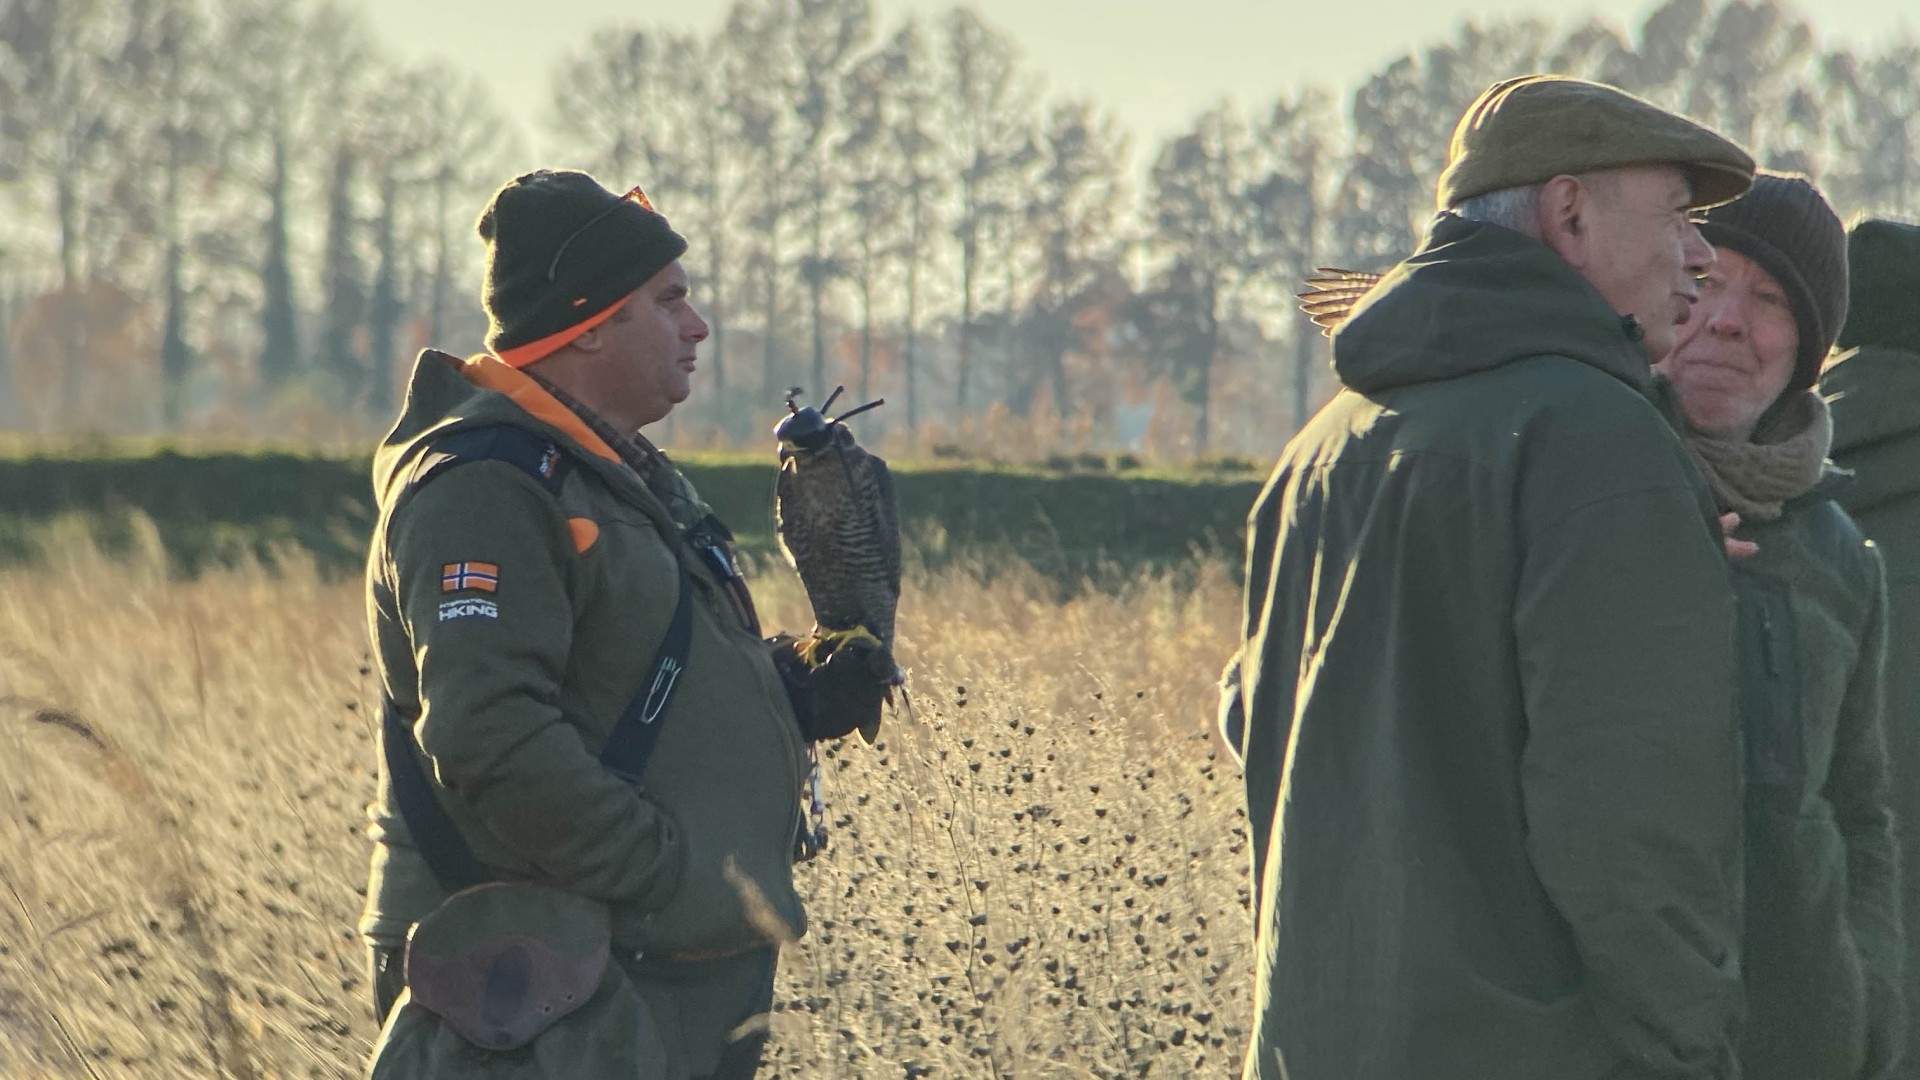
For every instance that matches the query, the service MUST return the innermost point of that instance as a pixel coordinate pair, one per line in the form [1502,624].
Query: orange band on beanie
[522,355]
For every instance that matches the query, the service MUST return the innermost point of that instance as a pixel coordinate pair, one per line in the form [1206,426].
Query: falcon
[839,528]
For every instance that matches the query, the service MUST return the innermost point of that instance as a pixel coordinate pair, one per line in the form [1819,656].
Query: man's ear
[588,342]
[1565,219]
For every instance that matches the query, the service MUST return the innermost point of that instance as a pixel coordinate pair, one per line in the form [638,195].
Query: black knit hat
[1884,304]
[1785,225]
[562,249]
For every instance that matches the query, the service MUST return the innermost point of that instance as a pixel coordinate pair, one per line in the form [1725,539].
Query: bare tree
[762,80]
[1299,150]
[66,109]
[877,207]
[1075,213]
[1872,106]
[471,149]
[827,38]
[991,102]
[915,98]
[1204,229]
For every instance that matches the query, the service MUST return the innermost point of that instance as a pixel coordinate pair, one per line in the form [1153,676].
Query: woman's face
[1734,355]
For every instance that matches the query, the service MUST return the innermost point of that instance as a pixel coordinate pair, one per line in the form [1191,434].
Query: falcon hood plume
[839,528]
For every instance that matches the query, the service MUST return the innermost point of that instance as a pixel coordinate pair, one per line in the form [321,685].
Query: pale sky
[1156,63]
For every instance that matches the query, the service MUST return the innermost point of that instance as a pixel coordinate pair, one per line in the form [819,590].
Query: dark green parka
[1875,394]
[517,625]
[1823,941]
[1492,767]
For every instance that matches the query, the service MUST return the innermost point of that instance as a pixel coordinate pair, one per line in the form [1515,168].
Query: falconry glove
[841,695]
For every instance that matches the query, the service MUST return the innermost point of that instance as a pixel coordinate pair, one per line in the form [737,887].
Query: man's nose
[695,328]
[1696,251]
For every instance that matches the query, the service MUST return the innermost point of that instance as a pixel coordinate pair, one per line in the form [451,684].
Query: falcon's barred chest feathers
[837,523]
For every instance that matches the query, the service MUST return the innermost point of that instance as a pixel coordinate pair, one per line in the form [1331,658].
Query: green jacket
[1876,433]
[1492,768]
[1823,945]
[515,693]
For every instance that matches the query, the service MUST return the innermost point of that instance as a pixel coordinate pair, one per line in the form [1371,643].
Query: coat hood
[448,394]
[1875,396]
[1477,296]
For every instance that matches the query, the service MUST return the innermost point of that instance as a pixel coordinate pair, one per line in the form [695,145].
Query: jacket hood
[448,394]
[1474,297]
[1875,395]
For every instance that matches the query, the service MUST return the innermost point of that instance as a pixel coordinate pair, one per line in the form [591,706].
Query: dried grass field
[1043,875]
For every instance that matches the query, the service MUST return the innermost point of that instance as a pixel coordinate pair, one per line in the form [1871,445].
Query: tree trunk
[715,293]
[716,315]
[385,311]
[280,347]
[8,401]
[817,278]
[1203,373]
[771,282]
[437,307]
[346,301]
[969,270]
[866,337]
[1305,332]
[909,359]
[73,327]
[176,361]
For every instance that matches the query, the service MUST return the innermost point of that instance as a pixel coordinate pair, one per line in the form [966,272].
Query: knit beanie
[562,253]
[1785,225]
[1884,305]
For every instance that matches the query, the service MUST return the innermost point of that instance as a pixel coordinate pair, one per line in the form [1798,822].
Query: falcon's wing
[1331,293]
[886,513]
[801,523]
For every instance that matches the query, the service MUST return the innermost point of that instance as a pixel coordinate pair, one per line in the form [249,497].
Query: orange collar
[489,373]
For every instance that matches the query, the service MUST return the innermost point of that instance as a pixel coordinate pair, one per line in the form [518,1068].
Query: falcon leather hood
[1475,297]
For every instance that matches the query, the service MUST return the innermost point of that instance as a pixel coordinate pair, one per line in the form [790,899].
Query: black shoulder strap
[539,457]
[631,742]
[447,854]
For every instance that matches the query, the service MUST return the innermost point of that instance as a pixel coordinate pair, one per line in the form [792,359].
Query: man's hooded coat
[1492,768]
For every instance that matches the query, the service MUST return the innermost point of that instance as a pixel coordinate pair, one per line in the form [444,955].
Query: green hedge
[216,506]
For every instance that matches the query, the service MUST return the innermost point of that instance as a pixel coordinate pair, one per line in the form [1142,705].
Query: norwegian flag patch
[470,576]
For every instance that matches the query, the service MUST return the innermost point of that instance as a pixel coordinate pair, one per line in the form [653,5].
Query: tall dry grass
[1042,874]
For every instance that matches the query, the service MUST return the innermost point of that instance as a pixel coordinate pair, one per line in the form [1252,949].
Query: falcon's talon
[821,644]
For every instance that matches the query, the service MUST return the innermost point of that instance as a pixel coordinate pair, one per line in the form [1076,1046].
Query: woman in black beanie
[1823,940]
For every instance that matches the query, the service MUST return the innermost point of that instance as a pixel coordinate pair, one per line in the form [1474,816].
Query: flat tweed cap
[1531,129]
[1885,310]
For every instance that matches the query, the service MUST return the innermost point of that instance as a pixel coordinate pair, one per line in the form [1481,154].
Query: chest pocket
[1771,686]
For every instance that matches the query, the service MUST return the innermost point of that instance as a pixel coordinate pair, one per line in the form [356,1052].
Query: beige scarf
[1782,461]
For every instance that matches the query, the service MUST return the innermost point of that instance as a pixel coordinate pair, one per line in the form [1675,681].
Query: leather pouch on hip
[501,963]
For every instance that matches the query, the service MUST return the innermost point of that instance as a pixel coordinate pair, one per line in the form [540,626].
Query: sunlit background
[1032,226]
